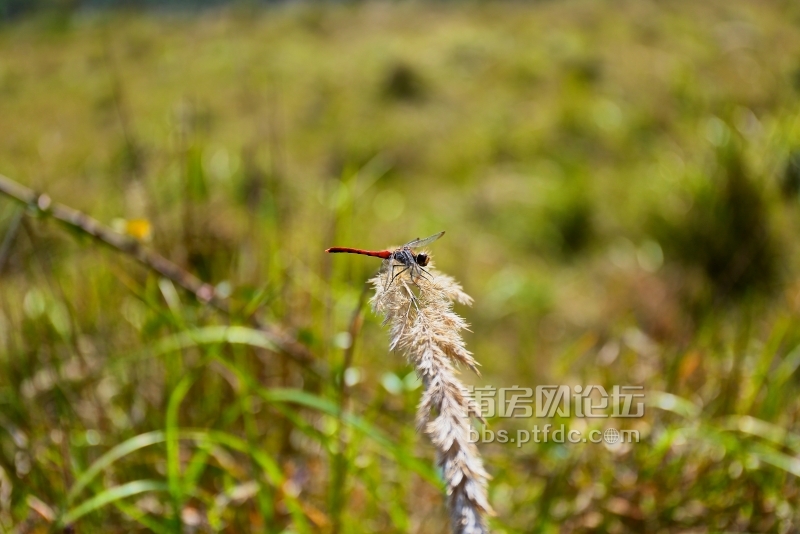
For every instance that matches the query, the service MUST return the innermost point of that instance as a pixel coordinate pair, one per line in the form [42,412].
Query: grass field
[620,187]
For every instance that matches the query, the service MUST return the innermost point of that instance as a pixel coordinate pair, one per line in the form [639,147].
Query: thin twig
[356,321]
[154,261]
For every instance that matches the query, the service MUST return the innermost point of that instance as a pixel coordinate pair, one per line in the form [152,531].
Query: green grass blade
[762,429]
[757,380]
[107,459]
[309,400]
[111,495]
[173,449]
[329,407]
[672,403]
[142,517]
[211,335]
[267,464]
[777,459]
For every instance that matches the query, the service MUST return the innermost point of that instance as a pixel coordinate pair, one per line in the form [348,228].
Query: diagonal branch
[154,261]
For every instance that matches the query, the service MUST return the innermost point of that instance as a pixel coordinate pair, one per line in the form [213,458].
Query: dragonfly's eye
[422,259]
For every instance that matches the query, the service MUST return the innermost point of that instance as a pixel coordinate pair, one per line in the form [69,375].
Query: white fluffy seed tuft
[424,327]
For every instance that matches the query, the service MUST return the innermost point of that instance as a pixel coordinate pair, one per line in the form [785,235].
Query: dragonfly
[404,257]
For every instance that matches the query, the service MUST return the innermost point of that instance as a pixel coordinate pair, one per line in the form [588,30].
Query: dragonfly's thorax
[404,261]
[407,257]
[404,256]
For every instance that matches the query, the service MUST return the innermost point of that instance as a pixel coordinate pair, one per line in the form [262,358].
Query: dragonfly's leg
[423,269]
[418,270]
[417,273]
[389,277]
[398,274]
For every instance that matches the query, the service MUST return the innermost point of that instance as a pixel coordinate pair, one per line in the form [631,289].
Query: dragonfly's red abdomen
[384,254]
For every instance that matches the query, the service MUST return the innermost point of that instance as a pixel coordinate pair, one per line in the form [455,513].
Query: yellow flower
[139,229]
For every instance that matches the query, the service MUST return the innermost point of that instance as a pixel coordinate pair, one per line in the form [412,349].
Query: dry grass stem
[427,331]
[203,291]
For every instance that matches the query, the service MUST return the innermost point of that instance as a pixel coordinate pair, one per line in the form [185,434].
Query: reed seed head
[418,308]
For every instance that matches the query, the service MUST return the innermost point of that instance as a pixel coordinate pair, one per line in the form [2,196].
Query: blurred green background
[620,186]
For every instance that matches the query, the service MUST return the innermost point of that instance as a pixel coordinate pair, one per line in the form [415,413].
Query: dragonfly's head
[422,259]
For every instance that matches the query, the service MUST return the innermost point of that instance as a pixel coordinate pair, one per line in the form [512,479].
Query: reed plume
[424,327]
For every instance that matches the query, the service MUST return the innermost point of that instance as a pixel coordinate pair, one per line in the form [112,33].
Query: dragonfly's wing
[423,242]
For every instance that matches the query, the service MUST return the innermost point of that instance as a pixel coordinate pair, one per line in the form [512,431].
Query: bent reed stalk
[424,327]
